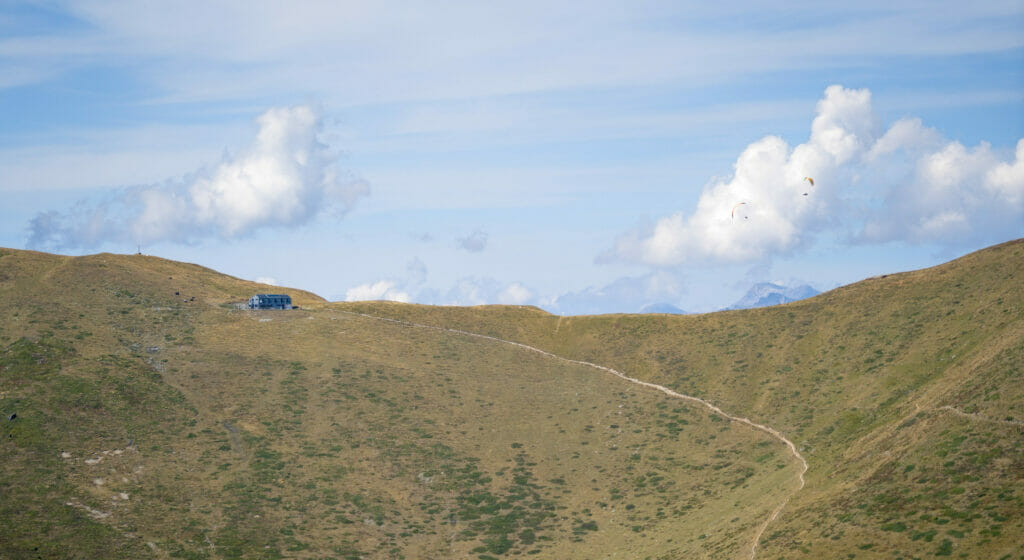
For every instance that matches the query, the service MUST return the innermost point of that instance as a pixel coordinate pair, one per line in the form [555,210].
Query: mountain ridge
[314,432]
[913,337]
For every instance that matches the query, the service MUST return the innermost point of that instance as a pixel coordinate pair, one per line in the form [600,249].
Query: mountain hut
[270,301]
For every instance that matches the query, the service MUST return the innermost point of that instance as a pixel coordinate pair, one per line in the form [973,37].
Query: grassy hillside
[152,424]
[155,419]
[904,392]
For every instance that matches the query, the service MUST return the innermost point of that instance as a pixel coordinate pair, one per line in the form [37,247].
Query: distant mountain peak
[764,294]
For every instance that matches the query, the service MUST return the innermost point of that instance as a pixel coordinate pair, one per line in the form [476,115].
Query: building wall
[270,301]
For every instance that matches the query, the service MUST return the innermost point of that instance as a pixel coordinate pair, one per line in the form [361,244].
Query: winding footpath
[979,417]
[766,429]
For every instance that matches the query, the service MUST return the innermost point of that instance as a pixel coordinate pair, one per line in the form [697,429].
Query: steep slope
[144,415]
[904,392]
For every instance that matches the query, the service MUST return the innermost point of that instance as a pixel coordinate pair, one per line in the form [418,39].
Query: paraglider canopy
[733,213]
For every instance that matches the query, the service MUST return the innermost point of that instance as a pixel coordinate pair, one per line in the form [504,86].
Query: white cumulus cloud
[402,289]
[377,291]
[286,178]
[906,183]
[1007,179]
[515,294]
[954,193]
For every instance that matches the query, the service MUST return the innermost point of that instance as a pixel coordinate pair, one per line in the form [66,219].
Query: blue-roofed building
[270,301]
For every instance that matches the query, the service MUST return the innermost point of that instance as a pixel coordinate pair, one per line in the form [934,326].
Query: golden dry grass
[321,433]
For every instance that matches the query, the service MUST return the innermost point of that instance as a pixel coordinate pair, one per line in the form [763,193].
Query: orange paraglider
[733,213]
[809,180]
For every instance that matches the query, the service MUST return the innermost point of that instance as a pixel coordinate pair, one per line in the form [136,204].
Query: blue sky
[585,157]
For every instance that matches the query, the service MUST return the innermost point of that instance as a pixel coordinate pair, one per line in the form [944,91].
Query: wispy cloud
[416,272]
[467,290]
[286,178]
[475,242]
[904,184]
[399,50]
[628,294]
[480,290]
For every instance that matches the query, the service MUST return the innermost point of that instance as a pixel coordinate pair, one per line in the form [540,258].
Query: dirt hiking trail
[766,429]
